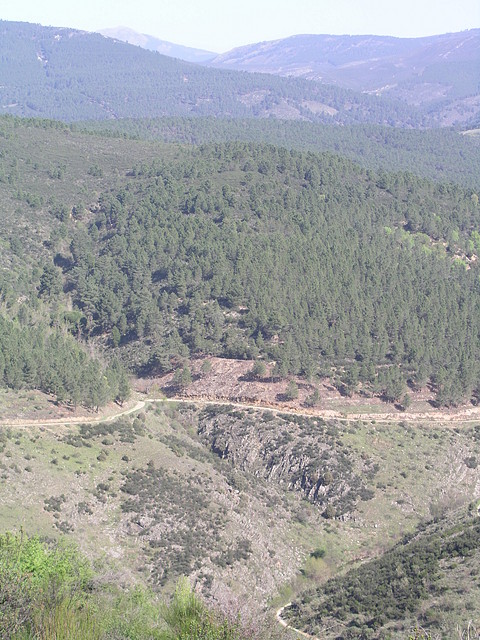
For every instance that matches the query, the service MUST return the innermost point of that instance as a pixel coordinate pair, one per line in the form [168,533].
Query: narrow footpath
[288,626]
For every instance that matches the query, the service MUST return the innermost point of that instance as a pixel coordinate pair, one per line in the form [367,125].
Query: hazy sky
[219,25]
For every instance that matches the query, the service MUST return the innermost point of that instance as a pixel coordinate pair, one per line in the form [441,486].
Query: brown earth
[229,380]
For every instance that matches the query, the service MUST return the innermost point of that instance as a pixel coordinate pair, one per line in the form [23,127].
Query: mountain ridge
[152,43]
[328,52]
[435,72]
[70,75]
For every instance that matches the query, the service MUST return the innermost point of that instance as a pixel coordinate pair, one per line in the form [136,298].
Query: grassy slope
[429,579]
[195,491]
[241,534]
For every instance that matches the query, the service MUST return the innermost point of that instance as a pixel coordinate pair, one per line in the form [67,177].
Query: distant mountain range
[417,70]
[162,46]
[441,71]
[71,75]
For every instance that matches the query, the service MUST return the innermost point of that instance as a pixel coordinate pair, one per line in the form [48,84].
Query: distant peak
[152,43]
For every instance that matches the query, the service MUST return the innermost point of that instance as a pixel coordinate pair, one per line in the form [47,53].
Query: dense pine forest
[39,357]
[439,154]
[249,251]
[320,265]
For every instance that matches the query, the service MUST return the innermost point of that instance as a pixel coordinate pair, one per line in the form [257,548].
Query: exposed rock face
[234,534]
[302,454]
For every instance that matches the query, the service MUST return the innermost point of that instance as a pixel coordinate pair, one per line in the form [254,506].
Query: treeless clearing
[230,381]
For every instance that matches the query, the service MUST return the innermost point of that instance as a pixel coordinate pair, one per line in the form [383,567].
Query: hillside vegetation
[442,155]
[49,591]
[309,271]
[247,504]
[244,250]
[430,579]
[41,340]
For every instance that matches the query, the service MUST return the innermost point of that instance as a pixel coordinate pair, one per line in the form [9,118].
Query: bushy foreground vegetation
[48,591]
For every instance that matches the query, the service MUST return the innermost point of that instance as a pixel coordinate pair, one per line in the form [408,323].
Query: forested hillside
[41,343]
[307,259]
[42,357]
[443,155]
[73,75]
[244,250]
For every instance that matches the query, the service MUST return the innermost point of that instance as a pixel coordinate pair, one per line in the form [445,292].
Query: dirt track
[465,416]
[48,422]
[439,417]
[288,626]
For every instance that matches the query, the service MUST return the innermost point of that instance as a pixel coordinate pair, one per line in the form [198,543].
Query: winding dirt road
[465,416]
[49,422]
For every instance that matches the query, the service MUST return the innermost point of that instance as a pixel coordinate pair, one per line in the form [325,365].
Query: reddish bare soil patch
[230,379]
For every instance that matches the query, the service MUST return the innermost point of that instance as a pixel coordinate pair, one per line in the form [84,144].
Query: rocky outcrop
[304,454]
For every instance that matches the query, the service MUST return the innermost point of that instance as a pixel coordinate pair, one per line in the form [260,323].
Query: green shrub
[46,593]
[189,619]
[35,579]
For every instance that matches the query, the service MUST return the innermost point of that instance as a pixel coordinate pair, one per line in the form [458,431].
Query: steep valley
[249,504]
